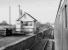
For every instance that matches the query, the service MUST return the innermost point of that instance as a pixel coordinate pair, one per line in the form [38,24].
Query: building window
[30,23]
[66,16]
[25,23]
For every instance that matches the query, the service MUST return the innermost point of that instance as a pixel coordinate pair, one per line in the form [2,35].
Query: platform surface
[11,40]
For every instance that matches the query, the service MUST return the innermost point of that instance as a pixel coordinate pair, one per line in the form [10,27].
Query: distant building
[26,23]
[4,26]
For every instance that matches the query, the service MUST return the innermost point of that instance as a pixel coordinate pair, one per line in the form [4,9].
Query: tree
[3,23]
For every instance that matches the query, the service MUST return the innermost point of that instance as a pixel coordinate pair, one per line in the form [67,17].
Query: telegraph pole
[9,14]
[19,10]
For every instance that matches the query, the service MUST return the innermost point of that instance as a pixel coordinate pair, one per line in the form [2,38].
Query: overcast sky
[43,10]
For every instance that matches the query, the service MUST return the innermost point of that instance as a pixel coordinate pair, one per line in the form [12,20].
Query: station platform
[16,42]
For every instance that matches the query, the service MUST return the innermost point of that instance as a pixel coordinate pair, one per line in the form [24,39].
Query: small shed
[27,23]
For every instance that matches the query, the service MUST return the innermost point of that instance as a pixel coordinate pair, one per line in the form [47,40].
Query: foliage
[3,23]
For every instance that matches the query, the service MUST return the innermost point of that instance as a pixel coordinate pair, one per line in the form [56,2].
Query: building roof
[28,15]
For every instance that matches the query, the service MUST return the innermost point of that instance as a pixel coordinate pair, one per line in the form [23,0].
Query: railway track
[39,45]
